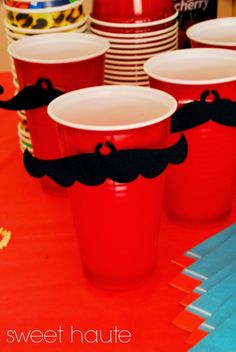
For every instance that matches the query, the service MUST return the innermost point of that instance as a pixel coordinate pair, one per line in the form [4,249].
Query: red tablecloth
[41,282]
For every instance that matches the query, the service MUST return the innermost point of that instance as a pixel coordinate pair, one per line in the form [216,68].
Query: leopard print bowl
[18,33]
[43,19]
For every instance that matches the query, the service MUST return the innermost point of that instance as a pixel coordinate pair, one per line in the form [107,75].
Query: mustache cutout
[222,111]
[122,166]
[32,97]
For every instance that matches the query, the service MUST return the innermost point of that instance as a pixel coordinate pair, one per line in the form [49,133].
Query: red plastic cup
[217,33]
[117,224]
[131,11]
[70,61]
[138,33]
[134,31]
[140,28]
[200,191]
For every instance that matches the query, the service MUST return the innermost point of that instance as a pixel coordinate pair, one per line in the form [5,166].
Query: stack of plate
[136,31]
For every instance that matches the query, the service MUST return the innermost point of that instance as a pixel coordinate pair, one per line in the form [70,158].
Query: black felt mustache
[222,111]
[122,166]
[32,97]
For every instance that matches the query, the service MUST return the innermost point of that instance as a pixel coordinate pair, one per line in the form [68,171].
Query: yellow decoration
[46,20]
[6,236]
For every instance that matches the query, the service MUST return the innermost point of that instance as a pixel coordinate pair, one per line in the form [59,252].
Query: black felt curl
[32,97]
[222,111]
[122,166]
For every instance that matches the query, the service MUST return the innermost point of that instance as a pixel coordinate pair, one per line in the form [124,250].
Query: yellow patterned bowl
[18,33]
[43,19]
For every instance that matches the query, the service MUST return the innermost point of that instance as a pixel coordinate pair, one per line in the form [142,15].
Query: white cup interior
[193,66]
[220,31]
[58,48]
[117,108]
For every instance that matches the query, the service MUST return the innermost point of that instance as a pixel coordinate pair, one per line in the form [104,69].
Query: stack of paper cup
[29,17]
[137,30]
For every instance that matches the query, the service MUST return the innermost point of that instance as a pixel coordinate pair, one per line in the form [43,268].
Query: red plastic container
[147,30]
[117,224]
[200,191]
[70,61]
[217,33]
[131,11]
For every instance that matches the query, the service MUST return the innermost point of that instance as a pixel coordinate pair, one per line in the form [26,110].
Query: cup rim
[13,72]
[166,48]
[21,35]
[81,29]
[32,0]
[23,148]
[24,138]
[10,40]
[21,115]
[134,25]
[143,40]
[124,68]
[25,145]
[107,91]
[45,10]
[117,83]
[102,47]
[126,79]
[22,132]
[16,83]
[125,73]
[144,50]
[46,31]
[140,45]
[132,36]
[13,35]
[123,63]
[214,23]
[162,57]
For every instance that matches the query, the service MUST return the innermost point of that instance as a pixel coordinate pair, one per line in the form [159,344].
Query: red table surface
[41,281]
